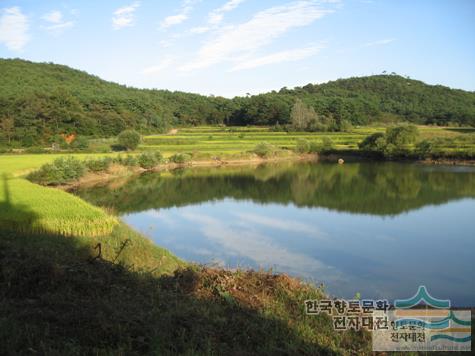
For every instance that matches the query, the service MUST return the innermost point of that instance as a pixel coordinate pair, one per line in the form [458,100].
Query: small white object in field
[341,161]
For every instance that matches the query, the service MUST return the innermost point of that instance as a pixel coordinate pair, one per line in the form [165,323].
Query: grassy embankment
[61,294]
[225,143]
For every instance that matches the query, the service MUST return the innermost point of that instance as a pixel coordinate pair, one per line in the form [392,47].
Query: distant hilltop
[38,100]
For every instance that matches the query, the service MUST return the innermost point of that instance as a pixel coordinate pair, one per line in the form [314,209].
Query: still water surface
[379,229]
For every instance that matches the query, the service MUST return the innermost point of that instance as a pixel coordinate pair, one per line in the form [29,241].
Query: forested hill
[38,100]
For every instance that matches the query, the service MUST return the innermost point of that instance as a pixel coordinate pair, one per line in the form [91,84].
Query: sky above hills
[234,47]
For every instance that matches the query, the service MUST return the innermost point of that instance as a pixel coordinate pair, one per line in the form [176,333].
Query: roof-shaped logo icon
[422,295]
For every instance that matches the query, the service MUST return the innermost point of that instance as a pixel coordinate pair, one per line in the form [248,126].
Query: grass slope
[116,293]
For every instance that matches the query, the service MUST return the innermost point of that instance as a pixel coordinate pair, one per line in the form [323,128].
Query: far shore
[118,171]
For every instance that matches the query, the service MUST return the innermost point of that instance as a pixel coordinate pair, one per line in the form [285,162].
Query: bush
[130,161]
[129,139]
[277,128]
[62,170]
[59,141]
[303,146]
[126,161]
[315,147]
[424,148]
[81,143]
[373,143]
[98,165]
[180,158]
[264,149]
[148,160]
[345,126]
[327,144]
[117,148]
[392,144]
[402,135]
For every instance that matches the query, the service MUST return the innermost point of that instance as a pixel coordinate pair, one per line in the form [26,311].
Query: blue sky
[234,47]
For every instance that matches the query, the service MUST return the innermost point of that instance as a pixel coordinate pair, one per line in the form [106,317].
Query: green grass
[231,141]
[21,164]
[28,207]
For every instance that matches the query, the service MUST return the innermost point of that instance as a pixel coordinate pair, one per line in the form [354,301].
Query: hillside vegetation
[41,100]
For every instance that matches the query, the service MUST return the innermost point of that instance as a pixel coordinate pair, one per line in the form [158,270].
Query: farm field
[238,140]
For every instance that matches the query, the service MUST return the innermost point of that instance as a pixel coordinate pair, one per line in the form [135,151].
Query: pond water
[378,229]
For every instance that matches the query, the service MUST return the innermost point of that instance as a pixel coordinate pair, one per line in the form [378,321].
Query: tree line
[39,101]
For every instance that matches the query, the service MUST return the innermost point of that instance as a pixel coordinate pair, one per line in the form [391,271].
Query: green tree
[301,115]
[402,135]
[129,139]
[7,124]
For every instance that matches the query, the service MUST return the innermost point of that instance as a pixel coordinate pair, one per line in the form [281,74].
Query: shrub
[81,143]
[315,147]
[180,158]
[264,149]
[59,141]
[117,148]
[129,139]
[277,128]
[402,135]
[345,126]
[424,148]
[303,146]
[126,161]
[393,143]
[327,144]
[373,143]
[98,165]
[130,161]
[147,160]
[62,170]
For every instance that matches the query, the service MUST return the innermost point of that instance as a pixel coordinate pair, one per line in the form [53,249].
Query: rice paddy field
[27,207]
[223,142]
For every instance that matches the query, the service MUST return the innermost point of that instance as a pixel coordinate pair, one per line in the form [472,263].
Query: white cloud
[216,16]
[262,29]
[200,30]
[124,16]
[174,20]
[379,42]
[261,249]
[56,21]
[280,224]
[182,16]
[278,57]
[53,17]
[14,29]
